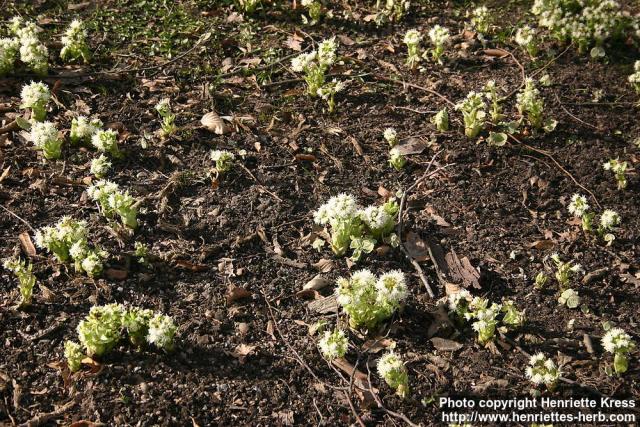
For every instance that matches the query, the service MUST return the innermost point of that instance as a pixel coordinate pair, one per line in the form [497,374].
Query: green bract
[74,355]
[224,160]
[333,344]
[543,371]
[472,108]
[394,373]
[439,37]
[35,97]
[101,330]
[136,322]
[314,8]
[367,300]
[441,120]
[168,118]
[113,202]
[74,42]
[531,104]
[491,93]
[486,318]
[26,279]
[106,141]
[396,159]
[354,227]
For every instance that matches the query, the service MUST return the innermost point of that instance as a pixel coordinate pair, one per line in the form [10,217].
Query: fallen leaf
[324,305]
[115,274]
[442,344]
[496,52]
[416,247]
[284,418]
[377,345]
[242,351]
[214,123]
[317,283]
[411,146]
[294,42]
[324,265]
[188,265]
[27,245]
[235,293]
[542,245]
[308,294]
[345,40]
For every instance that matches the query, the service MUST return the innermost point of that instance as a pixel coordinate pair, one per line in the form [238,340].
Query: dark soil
[252,230]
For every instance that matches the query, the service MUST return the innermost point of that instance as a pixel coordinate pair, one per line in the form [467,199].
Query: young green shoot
[634,78]
[491,94]
[619,343]
[486,318]
[168,125]
[44,136]
[565,271]
[481,20]
[390,10]
[100,166]
[619,169]
[441,120]
[74,355]
[328,92]
[570,298]
[394,372]
[473,112]
[74,43]
[315,65]
[314,9]
[334,344]
[112,202]
[526,39]
[9,48]
[439,37]
[397,159]
[106,141]
[542,370]
[26,279]
[412,39]
[224,160]
[83,128]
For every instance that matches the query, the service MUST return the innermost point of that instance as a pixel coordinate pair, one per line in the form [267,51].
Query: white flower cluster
[352,226]
[102,330]
[368,300]
[634,78]
[83,129]
[26,279]
[106,141]
[100,166]
[114,202]
[459,302]
[481,19]
[412,39]
[334,344]
[44,136]
[391,136]
[486,318]
[32,52]
[619,169]
[619,343]
[439,37]
[526,39]
[9,48]
[542,370]
[585,22]
[609,219]
[35,96]
[578,205]
[74,42]
[224,160]
[394,372]
[531,103]
[315,66]
[391,10]
[68,240]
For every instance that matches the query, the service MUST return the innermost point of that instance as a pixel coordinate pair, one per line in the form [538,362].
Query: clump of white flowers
[391,136]
[394,372]
[634,78]
[44,136]
[390,10]
[357,228]
[224,160]
[74,42]
[619,169]
[565,271]
[458,303]
[168,125]
[542,370]
[9,48]
[33,53]
[68,240]
[412,39]
[106,141]
[100,166]
[619,343]
[334,344]
[586,23]
[368,300]
[161,332]
[114,202]
[314,9]
[486,318]
[439,37]
[315,65]
[609,219]
[481,19]
[441,120]
[473,112]
[83,129]
[26,279]
[35,97]
[526,39]
[531,104]
[102,329]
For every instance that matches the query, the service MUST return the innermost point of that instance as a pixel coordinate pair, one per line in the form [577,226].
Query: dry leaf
[324,265]
[317,283]
[242,351]
[214,123]
[411,146]
[115,274]
[442,344]
[27,245]
[187,265]
[235,293]
[542,244]
[416,247]
[377,345]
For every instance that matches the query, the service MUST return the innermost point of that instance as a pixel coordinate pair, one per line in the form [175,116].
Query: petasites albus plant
[394,372]
[617,342]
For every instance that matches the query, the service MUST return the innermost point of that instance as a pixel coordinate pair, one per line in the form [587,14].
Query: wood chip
[27,244]
[324,305]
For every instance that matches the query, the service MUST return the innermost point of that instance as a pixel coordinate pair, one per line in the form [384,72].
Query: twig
[48,416]
[16,216]
[577,119]
[545,66]
[261,68]
[260,185]
[400,227]
[553,159]
[9,127]
[414,86]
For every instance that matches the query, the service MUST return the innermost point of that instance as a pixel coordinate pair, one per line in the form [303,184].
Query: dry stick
[16,216]
[260,185]
[48,416]
[577,119]
[10,127]
[550,156]
[400,227]
[407,84]
[350,390]
[297,357]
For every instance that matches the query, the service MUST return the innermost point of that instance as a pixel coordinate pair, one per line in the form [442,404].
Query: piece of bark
[324,305]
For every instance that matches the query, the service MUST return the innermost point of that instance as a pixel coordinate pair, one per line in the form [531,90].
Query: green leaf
[24,124]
